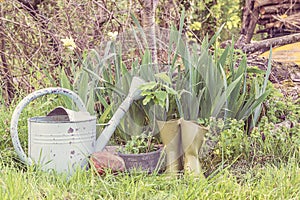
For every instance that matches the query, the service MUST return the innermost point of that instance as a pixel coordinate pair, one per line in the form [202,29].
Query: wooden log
[271,33]
[266,17]
[260,3]
[293,19]
[274,25]
[278,34]
[279,9]
[266,44]
[265,30]
[265,21]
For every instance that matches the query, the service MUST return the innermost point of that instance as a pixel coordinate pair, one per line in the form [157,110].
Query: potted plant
[161,100]
[141,153]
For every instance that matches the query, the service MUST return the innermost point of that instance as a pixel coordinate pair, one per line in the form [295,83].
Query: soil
[285,75]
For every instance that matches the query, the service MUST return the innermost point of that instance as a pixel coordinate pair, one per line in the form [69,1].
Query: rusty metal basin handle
[16,114]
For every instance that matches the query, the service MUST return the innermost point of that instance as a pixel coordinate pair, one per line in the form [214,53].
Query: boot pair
[182,140]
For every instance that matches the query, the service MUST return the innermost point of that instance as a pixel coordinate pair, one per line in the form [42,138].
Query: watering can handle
[25,102]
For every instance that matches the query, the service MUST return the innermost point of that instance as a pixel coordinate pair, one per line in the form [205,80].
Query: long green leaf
[249,109]
[83,86]
[90,104]
[219,102]
[215,36]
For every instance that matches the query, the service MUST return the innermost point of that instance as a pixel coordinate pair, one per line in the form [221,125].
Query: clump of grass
[270,182]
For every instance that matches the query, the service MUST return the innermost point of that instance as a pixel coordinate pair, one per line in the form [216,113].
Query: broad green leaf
[268,70]
[65,83]
[220,100]
[147,99]
[64,80]
[141,30]
[161,95]
[181,23]
[164,77]
[257,110]
[254,70]
[102,100]
[146,93]
[215,36]
[170,90]
[223,58]
[148,86]
[95,75]
[251,108]
[146,60]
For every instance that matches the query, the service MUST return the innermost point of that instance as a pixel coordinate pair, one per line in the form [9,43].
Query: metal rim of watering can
[17,112]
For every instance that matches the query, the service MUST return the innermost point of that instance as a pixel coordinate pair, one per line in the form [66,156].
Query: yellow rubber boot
[170,136]
[192,136]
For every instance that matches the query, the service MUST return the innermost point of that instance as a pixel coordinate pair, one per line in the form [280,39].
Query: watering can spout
[133,95]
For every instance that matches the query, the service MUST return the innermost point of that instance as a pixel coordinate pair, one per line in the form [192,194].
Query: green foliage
[276,138]
[139,144]
[159,92]
[233,141]
[206,15]
[268,182]
[280,108]
[209,82]
[278,143]
[218,84]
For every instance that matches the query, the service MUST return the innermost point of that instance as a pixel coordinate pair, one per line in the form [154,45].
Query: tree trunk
[250,18]
[5,73]
[148,23]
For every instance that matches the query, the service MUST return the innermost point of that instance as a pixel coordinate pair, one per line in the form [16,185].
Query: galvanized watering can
[64,139]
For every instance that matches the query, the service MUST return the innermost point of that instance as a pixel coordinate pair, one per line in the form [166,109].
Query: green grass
[269,182]
[273,177]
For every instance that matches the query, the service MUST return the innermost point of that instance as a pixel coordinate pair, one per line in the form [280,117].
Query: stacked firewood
[278,17]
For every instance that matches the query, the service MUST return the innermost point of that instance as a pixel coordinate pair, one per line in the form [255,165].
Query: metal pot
[148,162]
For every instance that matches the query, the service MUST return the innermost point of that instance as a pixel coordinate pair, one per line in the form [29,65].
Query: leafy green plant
[265,143]
[280,108]
[217,85]
[233,142]
[279,141]
[206,84]
[139,144]
[159,93]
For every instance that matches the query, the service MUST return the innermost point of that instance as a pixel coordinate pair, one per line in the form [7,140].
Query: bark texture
[266,44]
[148,23]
